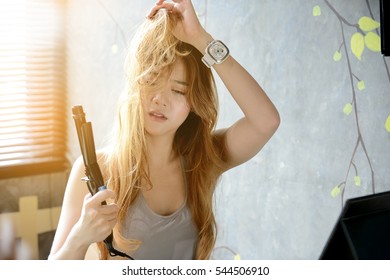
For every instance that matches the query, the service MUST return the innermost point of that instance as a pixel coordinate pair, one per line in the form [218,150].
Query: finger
[163,5]
[168,6]
[109,209]
[152,12]
[108,222]
[104,219]
[111,218]
[103,195]
[112,223]
[87,196]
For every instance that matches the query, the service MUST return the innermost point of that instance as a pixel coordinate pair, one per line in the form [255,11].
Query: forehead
[179,71]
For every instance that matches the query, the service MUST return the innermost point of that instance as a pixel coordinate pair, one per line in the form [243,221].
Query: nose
[160,99]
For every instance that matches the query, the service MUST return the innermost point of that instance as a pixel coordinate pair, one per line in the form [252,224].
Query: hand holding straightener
[97,218]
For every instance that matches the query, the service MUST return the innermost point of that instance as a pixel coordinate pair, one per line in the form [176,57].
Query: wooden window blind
[32,87]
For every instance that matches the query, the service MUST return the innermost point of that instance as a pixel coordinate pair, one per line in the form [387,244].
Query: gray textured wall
[278,205]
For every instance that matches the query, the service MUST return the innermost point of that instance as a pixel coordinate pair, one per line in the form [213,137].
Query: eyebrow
[181,82]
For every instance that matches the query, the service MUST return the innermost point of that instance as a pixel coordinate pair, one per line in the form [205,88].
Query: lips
[157,115]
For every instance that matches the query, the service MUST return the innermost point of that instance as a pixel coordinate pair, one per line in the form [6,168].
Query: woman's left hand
[188,28]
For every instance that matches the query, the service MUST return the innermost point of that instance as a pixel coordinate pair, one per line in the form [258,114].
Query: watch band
[208,60]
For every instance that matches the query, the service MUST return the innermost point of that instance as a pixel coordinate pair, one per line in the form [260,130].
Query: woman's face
[166,108]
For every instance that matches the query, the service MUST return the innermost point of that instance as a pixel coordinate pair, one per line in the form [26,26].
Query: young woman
[166,156]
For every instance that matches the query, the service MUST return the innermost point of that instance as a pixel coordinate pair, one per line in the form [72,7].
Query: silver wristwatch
[216,53]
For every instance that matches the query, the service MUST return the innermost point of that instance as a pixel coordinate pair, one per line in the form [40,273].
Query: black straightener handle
[94,178]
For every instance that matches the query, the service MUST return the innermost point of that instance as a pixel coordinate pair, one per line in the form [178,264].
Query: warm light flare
[32,88]
[13,32]
[13,20]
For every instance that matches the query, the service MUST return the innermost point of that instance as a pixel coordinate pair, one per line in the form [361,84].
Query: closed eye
[178,91]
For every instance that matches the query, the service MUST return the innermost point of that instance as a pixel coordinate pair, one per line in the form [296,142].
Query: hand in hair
[188,28]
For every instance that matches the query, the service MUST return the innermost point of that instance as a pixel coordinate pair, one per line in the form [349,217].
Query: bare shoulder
[75,183]
[101,156]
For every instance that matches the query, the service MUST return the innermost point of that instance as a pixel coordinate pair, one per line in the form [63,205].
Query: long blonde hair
[154,50]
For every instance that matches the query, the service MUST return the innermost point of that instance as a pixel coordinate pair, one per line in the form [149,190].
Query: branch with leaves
[363,38]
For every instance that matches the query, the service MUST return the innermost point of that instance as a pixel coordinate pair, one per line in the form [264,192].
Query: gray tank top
[171,237]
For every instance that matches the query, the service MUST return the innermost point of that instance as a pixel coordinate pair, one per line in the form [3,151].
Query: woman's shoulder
[101,155]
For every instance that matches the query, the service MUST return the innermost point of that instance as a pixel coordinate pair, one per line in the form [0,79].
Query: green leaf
[361,85]
[335,191]
[316,11]
[373,41]
[357,181]
[347,109]
[337,56]
[368,24]
[387,124]
[357,45]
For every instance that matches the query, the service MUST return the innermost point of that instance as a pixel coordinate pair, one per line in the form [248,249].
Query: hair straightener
[94,177]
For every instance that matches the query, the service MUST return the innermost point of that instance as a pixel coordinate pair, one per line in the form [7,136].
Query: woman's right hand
[188,28]
[96,220]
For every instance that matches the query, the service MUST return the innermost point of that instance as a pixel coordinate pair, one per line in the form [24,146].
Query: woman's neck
[160,151]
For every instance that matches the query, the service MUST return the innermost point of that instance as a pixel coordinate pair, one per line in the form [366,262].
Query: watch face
[218,51]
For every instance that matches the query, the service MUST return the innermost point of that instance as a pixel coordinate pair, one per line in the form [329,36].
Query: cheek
[186,106]
[183,109]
